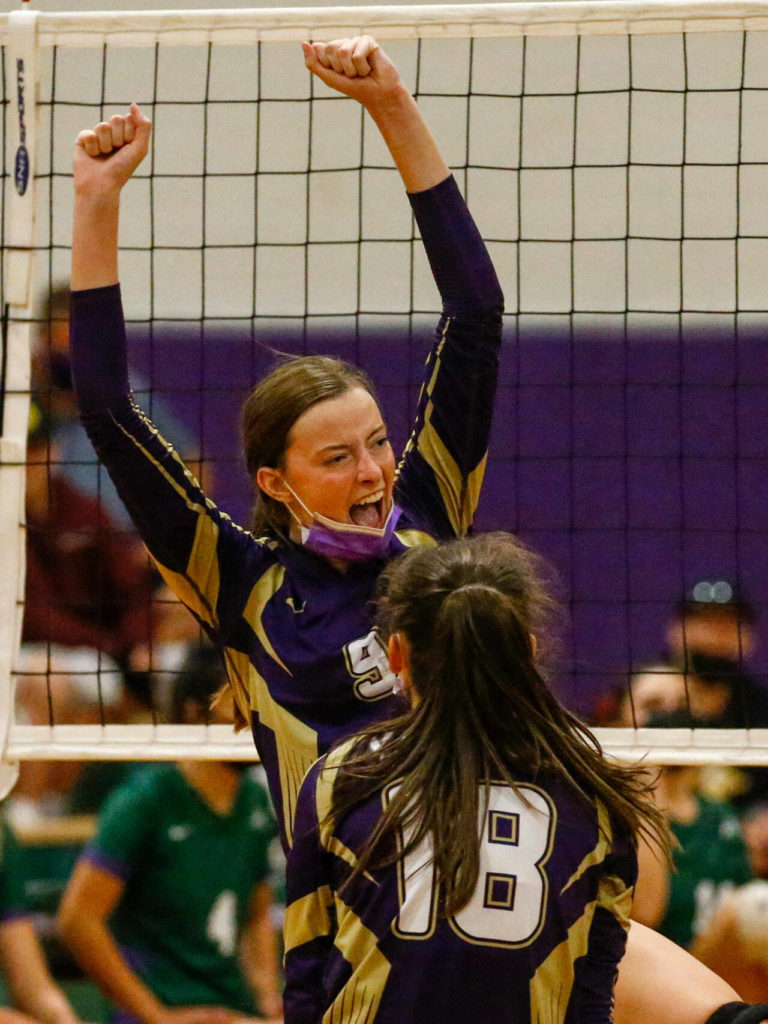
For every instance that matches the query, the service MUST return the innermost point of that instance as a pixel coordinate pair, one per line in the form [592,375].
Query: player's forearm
[261,971]
[263,978]
[31,987]
[458,256]
[651,895]
[98,955]
[258,953]
[409,140]
[94,240]
[48,1005]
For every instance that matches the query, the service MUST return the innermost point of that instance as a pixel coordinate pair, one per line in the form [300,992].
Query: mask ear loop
[332,524]
[293,514]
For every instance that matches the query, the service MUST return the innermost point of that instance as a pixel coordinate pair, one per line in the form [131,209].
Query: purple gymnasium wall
[636,464]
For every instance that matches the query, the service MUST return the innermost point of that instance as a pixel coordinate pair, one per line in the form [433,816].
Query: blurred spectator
[711,637]
[32,990]
[59,686]
[52,390]
[660,695]
[655,689]
[736,942]
[754,827]
[87,583]
[711,859]
[168,909]
[713,619]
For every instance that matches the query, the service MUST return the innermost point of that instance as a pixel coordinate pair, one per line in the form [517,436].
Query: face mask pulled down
[347,542]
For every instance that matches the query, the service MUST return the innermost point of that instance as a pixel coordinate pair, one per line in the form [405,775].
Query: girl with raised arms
[289,601]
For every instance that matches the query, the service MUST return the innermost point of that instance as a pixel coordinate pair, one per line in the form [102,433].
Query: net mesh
[617,166]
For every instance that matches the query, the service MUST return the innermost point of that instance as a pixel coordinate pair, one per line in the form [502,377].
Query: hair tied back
[485,588]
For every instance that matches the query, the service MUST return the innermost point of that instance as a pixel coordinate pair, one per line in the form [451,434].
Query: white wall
[608,201]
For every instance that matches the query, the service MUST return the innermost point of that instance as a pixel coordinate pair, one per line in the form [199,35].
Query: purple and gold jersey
[305,664]
[539,942]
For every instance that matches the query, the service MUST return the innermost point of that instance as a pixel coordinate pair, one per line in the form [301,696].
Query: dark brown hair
[485,714]
[271,410]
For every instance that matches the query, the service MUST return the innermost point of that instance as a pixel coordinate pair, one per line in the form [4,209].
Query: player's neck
[215,782]
[677,794]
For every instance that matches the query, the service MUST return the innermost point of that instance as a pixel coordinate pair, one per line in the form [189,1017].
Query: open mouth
[369,512]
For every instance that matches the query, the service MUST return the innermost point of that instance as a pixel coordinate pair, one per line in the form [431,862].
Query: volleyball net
[615,158]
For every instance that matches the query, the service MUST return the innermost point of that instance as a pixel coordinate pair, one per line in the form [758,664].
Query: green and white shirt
[189,875]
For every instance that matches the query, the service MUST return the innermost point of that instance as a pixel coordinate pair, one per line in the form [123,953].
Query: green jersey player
[168,907]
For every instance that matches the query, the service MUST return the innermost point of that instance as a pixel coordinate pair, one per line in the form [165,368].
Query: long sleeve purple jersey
[538,943]
[304,660]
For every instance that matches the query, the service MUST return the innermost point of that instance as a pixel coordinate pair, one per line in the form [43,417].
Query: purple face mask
[348,542]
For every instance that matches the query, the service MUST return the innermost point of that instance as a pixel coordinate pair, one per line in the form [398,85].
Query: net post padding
[21,87]
[11,515]
[18,265]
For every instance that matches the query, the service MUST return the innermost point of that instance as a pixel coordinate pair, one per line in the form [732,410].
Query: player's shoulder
[317,784]
[327,767]
[144,787]
[323,773]
[574,811]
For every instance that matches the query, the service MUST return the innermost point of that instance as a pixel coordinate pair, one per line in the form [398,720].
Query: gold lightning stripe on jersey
[360,997]
[602,847]
[265,588]
[308,918]
[415,539]
[202,566]
[295,742]
[551,985]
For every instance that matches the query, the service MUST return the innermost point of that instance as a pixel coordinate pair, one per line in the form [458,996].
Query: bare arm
[15,1017]
[88,901]
[258,953]
[360,69]
[105,158]
[31,987]
[652,889]
[660,983]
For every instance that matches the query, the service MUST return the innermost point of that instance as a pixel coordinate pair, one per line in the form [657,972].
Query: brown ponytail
[484,712]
